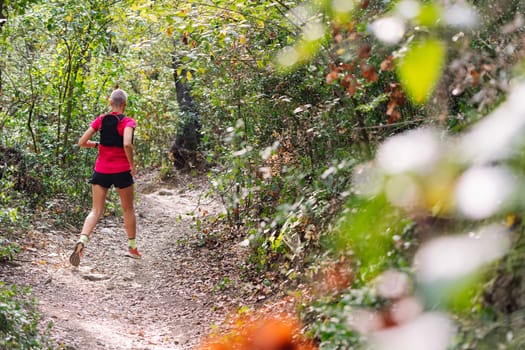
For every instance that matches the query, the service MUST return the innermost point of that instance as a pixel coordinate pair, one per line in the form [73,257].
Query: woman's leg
[130,221]
[97,209]
[128,210]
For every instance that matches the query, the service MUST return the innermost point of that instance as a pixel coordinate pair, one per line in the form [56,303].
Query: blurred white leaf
[492,138]
[393,284]
[266,172]
[313,31]
[406,309]
[450,258]
[243,151]
[343,6]
[430,331]
[364,321]
[403,191]
[414,151]
[266,153]
[408,9]
[328,172]
[301,14]
[245,243]
[367,180]
[288,57]
[389,29]
[461,15]
[481,191]
[302,108]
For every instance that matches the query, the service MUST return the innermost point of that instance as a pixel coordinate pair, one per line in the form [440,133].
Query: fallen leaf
[388,64]
[369,73]
[364,51]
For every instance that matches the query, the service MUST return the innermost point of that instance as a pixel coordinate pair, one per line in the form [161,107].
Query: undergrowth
[19,320]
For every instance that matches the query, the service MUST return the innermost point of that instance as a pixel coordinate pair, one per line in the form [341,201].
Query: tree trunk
[365,139]
[3,19]
[69,111]
[31,110]
[187,141]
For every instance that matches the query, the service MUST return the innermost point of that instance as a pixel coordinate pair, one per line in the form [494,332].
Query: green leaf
[375,103]
[367,229]
[457,295]
[421,68]
[429,15]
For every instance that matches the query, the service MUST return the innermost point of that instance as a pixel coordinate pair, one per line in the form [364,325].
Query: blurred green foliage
[8,250]
[373,230]
[19,320]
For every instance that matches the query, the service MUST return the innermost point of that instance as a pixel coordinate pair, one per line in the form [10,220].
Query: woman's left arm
[128,147]
[84,140]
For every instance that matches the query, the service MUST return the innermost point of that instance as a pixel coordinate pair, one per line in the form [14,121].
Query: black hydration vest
[109,135]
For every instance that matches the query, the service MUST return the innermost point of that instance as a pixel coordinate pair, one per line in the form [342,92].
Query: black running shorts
[119,180]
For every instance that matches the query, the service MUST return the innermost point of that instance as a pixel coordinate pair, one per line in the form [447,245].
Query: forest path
[167,300]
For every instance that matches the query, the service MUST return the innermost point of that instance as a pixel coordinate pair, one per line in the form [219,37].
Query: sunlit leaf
[306,48]
[429,15]
[181,13]
[421,68]
[342,10]
[343,6]
[153,18]
[291,57]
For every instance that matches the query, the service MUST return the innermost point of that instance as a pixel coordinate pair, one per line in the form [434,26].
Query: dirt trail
[167,300]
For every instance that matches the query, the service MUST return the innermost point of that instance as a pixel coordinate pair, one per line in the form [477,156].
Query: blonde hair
[118,98]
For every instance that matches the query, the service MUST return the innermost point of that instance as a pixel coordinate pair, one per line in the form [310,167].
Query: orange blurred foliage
[335,277]
[271,333]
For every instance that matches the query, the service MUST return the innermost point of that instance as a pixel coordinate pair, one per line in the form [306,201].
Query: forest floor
[170,299]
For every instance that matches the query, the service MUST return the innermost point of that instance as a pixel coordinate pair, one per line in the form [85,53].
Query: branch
[239,12]
[393,125]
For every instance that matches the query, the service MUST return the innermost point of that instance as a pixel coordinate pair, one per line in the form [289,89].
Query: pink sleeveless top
[112,160]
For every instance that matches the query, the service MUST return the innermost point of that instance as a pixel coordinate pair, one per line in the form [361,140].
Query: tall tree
[3,19]
[184,149]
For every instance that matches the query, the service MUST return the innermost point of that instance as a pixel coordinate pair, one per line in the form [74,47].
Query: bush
[8,250]
[19,320]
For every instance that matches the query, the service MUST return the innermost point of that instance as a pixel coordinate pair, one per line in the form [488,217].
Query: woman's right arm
[84,140]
